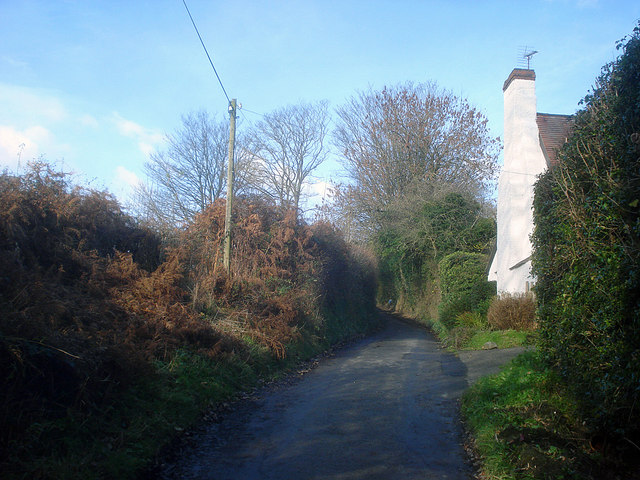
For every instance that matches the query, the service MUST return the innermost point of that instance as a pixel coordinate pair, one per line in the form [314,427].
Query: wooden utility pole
[226,259]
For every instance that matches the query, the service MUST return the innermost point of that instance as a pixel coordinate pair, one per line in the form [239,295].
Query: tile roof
[553,130]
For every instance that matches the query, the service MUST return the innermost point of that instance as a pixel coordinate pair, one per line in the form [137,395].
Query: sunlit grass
[502,338]
[473,338]
[525,424]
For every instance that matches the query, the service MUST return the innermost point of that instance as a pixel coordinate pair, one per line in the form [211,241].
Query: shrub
[512,312]
[76,311]
[467,324]
[285,275]
[347,280]
[458,337]
[473,320]
[587,251]
[415,234]
[463,285]
[92,307]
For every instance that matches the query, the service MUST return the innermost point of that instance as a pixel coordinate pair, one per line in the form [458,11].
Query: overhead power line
[251,111]
[522,173]
[205,51]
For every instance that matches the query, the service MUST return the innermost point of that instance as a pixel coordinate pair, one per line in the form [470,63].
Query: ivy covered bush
[417,235]
[587,246]
[463,286]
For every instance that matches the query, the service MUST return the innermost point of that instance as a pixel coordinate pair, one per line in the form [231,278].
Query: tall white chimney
[523,162]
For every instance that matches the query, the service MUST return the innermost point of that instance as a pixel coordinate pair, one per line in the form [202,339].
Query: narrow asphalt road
[383,408]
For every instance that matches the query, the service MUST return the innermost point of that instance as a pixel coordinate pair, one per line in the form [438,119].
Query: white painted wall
[523,162]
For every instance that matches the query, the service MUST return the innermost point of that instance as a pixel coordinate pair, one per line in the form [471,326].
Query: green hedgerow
[463,285]
[587,251]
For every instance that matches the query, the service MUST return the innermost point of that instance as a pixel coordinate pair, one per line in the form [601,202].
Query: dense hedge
[96,314]
[464,286]
[417,235]
[587,245]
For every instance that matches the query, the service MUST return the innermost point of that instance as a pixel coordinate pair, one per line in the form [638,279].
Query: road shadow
[385,406]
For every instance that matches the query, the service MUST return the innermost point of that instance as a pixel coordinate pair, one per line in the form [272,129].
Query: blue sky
[94,85]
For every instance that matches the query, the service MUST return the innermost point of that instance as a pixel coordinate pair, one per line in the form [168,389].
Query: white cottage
[530,142]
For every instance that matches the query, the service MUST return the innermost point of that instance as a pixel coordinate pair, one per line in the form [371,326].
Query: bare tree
[411,139]
[191,173]
[288,145]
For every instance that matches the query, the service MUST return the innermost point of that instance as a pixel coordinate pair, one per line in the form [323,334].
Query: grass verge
[502,338]
[525,426]
[118,439]
[470,338]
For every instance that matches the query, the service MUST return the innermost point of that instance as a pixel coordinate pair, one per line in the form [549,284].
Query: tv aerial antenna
[527,53]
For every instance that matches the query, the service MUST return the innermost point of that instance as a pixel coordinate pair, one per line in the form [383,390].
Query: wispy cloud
[127,177]
[22,145]
[12,62]
[317,192]
[123,184]
[89,121]
[319,188]
[28,118]
[148,139]
[22,102]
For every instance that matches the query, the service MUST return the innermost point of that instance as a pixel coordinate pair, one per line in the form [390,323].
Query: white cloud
[147,148]
[317,192]
[123,184]
[127,177]
[12,62]
[30,121]
[34,124]
[148,139]
[127,127]
[24,105]
[23,145]
[89,121]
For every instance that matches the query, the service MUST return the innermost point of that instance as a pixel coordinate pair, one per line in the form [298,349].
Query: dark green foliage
[587,250]
[454,224]
[463,285]
[418,234]
[347,279]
